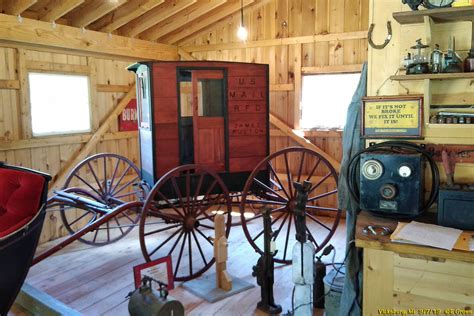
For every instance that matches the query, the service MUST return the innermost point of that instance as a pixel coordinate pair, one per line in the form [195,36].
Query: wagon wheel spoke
[188,191]
[164,242]
[162,229]
[273,222]
[321,208]
[311,237]
[288,175]
[169,203]
[287,236]
[114,173]
[190,255]
[278,180]
[178,193]
[277,232]
[322,195]
[118,224]
[317,221]
[199,247]
[205,197]
[120,179]
[300,169]
[96,179]
[176,242]
[86,183]
[313,170]
[105,175]
[204,236]
[196,192]
[265,187]
[314,187]
[180,255]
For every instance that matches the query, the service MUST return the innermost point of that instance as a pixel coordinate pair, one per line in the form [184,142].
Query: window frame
[58,69]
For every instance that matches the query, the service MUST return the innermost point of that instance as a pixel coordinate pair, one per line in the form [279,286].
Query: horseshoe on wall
[387,39]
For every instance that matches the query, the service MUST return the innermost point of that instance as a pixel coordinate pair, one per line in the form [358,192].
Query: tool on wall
[420,60]
[145,301]
[452,61]
[263,270]
[387,38]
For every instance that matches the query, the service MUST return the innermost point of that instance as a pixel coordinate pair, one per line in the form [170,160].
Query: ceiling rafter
[171,24]
[57,8]
[92,11]
[155,16]
[213,17]
[16,7]
[124,14]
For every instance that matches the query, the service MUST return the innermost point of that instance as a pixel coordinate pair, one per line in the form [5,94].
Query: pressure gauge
[405,171]
[372,169]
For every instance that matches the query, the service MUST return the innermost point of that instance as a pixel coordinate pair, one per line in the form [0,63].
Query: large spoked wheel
[178,219]
[270,186]
[104,181]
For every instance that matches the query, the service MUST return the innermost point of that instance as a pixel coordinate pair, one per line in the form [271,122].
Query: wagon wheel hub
[190,222]
[291,205]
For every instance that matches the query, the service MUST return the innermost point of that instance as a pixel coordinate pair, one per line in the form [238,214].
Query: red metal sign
[128,119]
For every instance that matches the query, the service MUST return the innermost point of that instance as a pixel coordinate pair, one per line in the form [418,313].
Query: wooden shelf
[444,15]
[457,75]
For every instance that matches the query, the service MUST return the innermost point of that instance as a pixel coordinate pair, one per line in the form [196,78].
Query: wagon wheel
[273,192]
[186,199]
[110,180]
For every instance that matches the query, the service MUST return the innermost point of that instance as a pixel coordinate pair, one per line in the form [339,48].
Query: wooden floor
[96,280]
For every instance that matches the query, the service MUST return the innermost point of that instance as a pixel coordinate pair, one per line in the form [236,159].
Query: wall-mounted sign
[159,269]
[392,116]
[128,119]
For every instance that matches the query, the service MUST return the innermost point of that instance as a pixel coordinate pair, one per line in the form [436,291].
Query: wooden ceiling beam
[15,7]
[211,18]
[188,15]
[124,14]
[155,16]
[57,8]
[35,33]
[93,11]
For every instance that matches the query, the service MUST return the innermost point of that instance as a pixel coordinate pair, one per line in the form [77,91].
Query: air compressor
[144,301]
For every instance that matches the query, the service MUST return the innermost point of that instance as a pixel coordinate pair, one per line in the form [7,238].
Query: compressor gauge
[372,169]
[405,171]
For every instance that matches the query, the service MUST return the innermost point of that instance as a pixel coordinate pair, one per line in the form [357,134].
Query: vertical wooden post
[223,280]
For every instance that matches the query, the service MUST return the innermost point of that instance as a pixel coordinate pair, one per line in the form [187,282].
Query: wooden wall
[294,37]
[50,154]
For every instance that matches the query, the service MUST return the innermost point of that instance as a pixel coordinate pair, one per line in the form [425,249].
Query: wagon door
[145,126]
[208,118]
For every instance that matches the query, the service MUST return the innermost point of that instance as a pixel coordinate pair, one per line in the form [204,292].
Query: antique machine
[263,270]
[144,301]
[391,179]
[204,150]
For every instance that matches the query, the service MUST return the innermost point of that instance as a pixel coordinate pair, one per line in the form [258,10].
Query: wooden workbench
[413,279]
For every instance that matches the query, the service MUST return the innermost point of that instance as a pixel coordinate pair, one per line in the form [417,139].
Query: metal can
[468,120]
[461,120]
[455,120]
[449,120]
[441,119]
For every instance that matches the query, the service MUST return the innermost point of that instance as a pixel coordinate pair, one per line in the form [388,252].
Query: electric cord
[353,172]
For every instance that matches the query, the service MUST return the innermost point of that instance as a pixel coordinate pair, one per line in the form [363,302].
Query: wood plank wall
[278,36]
[50,154]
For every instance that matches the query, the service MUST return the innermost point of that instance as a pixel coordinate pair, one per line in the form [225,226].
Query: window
[325,99]
[59,103]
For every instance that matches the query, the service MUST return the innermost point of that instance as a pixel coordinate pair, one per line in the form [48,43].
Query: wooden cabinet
[418,280]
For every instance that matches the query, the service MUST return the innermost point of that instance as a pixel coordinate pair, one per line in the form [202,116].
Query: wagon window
[211,97]
[185,96]
[59,103]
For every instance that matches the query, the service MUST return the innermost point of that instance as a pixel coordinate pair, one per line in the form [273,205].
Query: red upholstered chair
[23,195]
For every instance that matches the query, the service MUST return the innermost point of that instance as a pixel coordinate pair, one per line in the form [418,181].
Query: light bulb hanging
[242,32]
